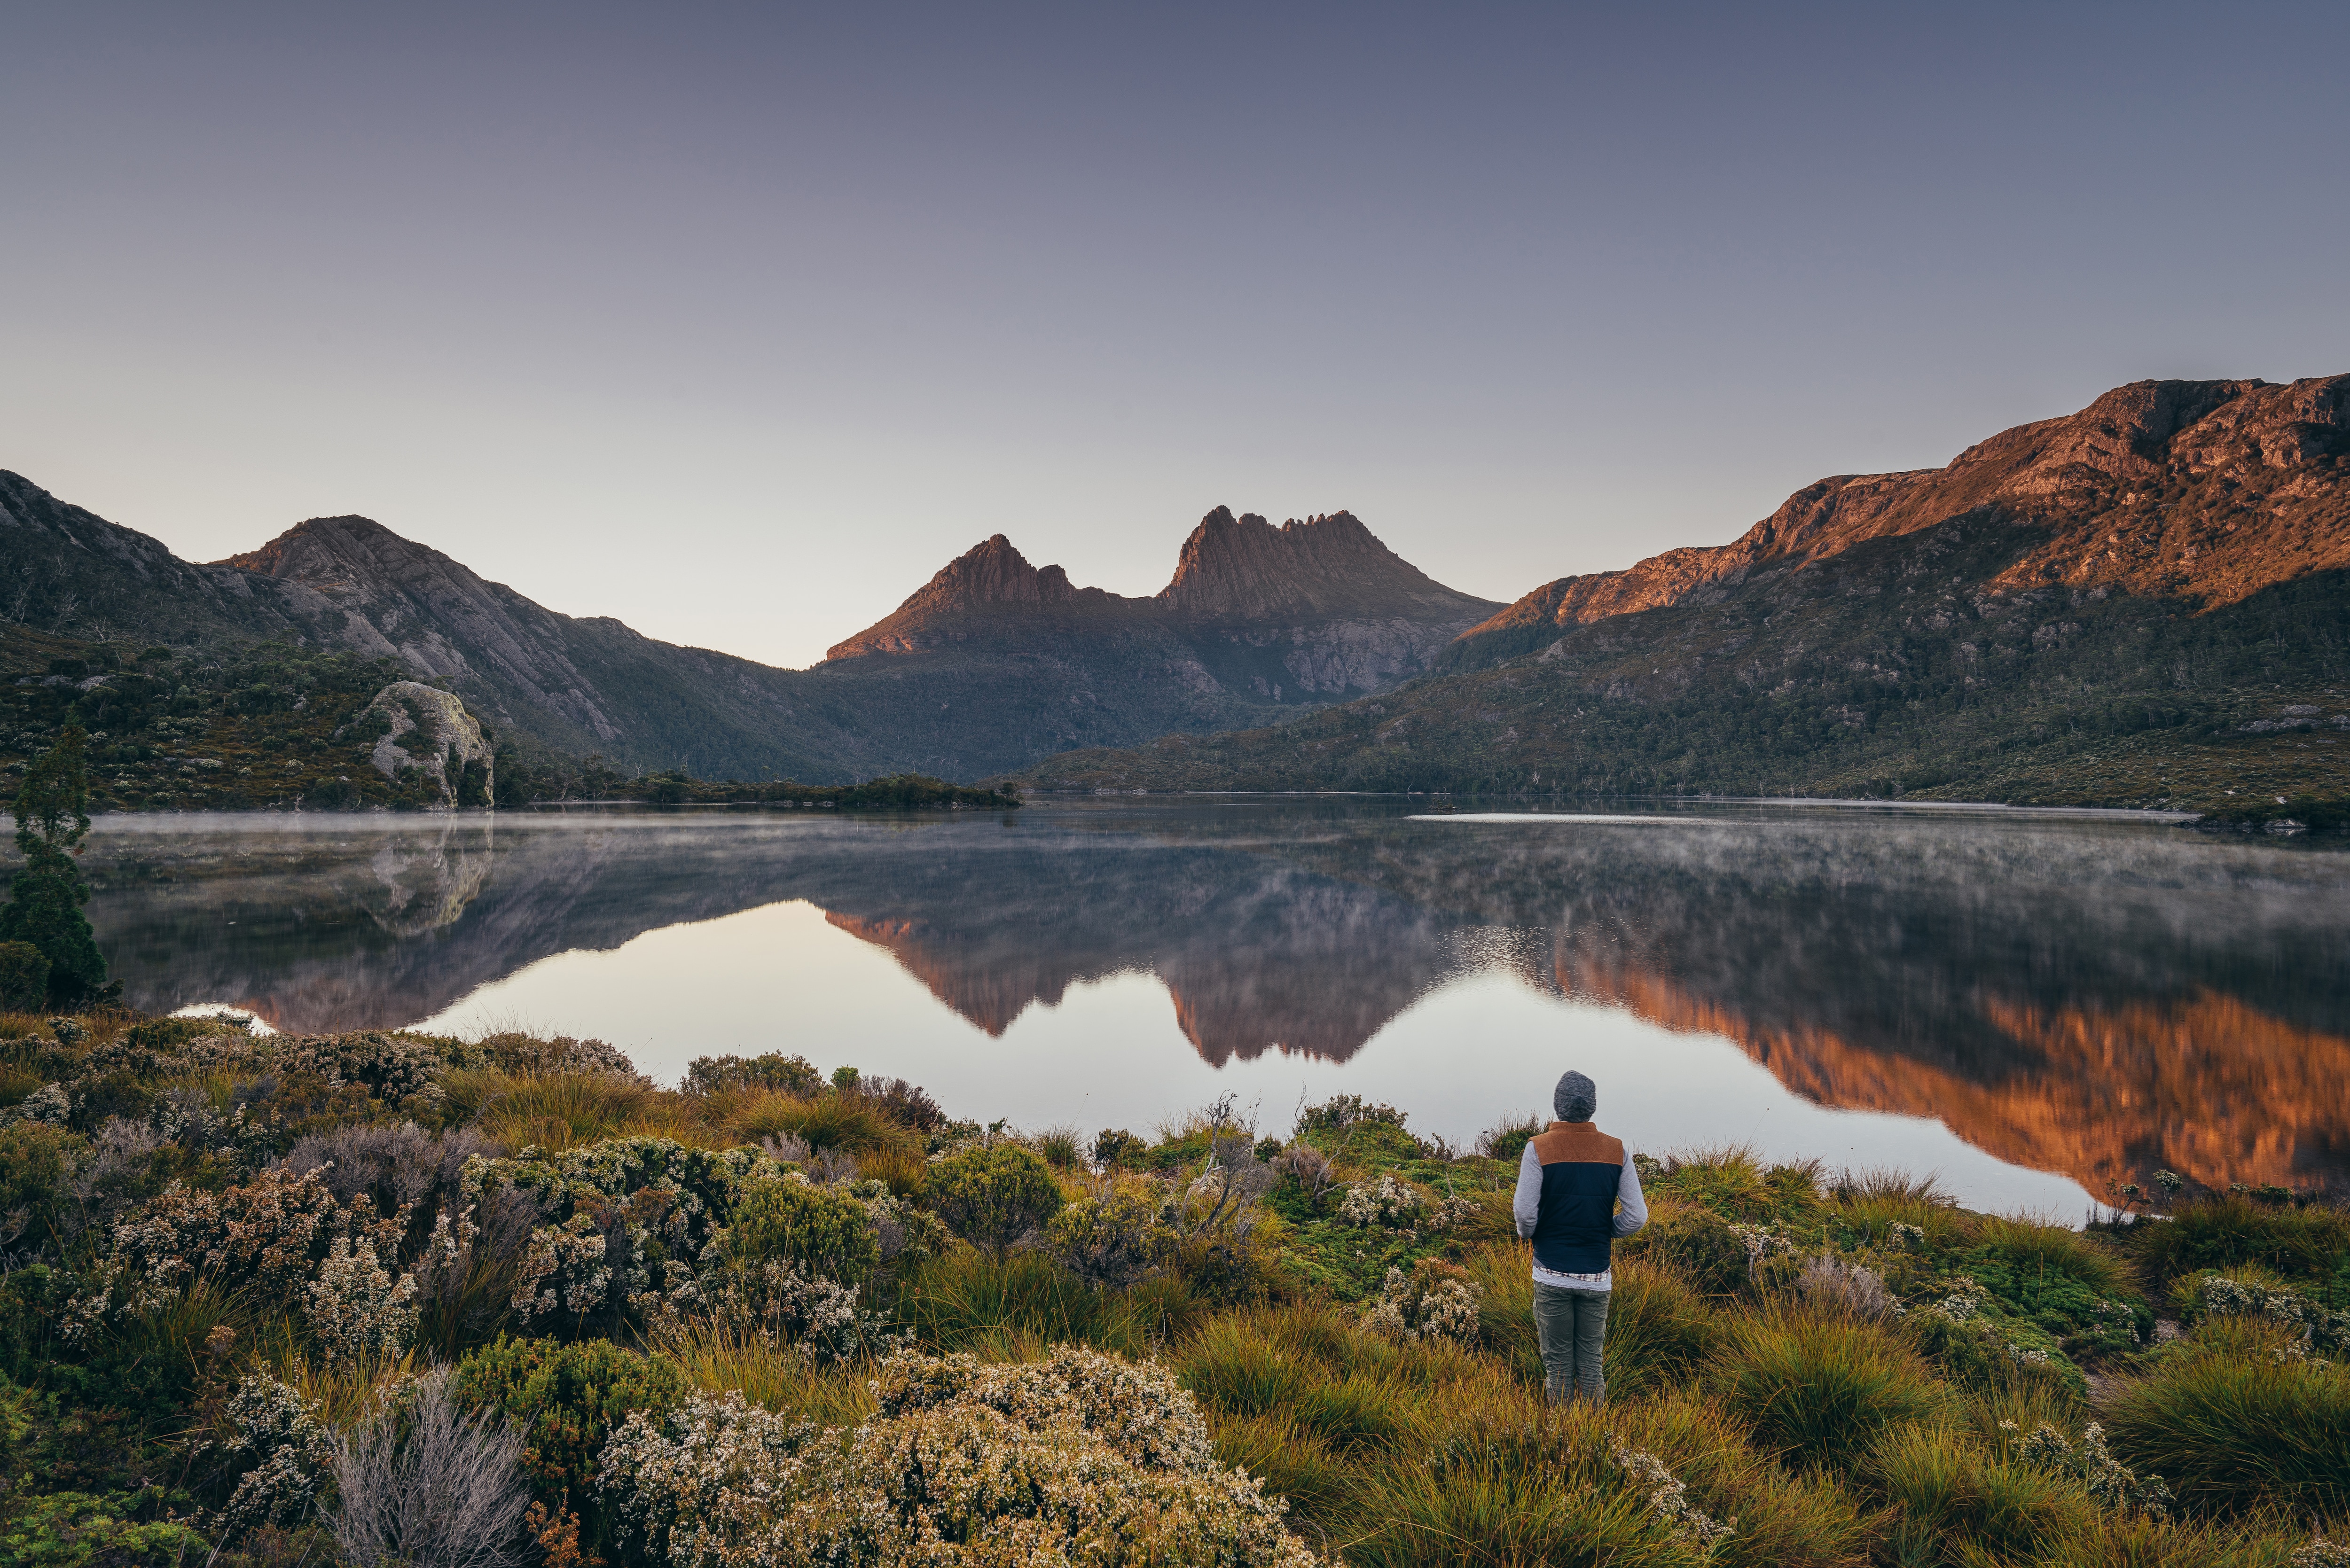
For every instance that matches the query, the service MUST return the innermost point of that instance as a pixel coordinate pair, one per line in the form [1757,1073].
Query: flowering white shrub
[271,1233]
[1909,1238]
[1761,1241]
[626,1218]
[391,1068]
[50,1102]
[1964,1304]
[1435,1301]
[290,1448]
[1385,1204]
[2322,1553]
[2109,1481]
[1668,1494]
[566,1272]
[355,1308]
[2221,1296]
[1081,1457]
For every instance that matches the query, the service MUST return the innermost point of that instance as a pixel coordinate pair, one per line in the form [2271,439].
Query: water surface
[2030,1004]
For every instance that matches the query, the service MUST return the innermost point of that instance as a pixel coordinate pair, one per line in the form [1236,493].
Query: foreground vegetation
[386,1297]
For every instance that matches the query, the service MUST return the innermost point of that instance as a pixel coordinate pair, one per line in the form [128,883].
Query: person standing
[1577,1192]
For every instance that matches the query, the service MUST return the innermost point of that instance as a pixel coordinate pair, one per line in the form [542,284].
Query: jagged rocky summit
[1318,609]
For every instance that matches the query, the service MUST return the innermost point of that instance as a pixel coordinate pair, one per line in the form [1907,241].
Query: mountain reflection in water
[2087,997]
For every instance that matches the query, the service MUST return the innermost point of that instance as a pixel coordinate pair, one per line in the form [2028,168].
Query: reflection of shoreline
[2208,1087]
[2084,1001]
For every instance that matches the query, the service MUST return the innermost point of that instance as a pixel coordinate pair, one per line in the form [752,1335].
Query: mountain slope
[992,666]
[2142,602]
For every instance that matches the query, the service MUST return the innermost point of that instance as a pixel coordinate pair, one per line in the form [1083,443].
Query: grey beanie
[1575,1098]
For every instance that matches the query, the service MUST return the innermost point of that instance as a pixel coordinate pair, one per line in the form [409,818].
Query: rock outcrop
[425,734]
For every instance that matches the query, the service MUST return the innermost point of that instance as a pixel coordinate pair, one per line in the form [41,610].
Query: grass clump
[1818,1389]
[2241,1415]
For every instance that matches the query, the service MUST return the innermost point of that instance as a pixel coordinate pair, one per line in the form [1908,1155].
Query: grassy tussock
[2237,1421]
[2043,1249]
[557,1111]
[1818,1389]
[844,1121]
[769,1371]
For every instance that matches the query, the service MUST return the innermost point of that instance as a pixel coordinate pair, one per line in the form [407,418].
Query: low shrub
[793,1219]
[1114,1237]
[993,1196]
[1078,1455]
[421,1484]
[794,1076]
[565,1401]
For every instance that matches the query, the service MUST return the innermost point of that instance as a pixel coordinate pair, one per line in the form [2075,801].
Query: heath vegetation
[390,1298]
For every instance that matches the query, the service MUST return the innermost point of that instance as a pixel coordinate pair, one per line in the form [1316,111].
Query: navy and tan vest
[1581,1171]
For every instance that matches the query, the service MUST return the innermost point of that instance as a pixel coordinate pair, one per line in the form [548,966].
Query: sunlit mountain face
[2080,996]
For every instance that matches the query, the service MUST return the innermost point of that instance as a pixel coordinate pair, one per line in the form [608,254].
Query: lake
[2032,1004]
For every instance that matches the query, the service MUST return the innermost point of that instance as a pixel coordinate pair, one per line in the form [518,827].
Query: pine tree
[45,908]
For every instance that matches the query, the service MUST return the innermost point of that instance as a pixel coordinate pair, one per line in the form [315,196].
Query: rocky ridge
[2133,605]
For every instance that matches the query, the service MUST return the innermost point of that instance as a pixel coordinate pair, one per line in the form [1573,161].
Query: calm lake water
[2029,1003]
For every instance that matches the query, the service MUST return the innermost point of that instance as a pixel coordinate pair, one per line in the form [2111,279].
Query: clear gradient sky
[736,323]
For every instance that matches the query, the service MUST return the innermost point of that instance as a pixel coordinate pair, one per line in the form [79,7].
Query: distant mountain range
[2145,603]
[991,666]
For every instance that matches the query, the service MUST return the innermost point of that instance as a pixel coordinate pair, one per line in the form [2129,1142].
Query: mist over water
[2032,1005]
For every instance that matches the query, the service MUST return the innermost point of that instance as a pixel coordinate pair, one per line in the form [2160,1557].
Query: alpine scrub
[385,1297]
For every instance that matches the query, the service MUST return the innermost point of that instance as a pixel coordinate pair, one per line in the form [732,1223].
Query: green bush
[792,1074]
[793,1219]
[993,1196]
[569,1399]
[35,1161]
[76,1530]
[1114,1238]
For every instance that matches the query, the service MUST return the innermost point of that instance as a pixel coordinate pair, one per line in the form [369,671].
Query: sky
[736,323]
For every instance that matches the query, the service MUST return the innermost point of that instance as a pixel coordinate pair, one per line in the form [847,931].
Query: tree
[44,907]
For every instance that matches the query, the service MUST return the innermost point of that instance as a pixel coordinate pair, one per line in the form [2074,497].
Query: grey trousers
[1573,1327]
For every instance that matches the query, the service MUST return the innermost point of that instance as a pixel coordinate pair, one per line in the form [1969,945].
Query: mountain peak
[347,552]
[1328,564]
[990,575]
